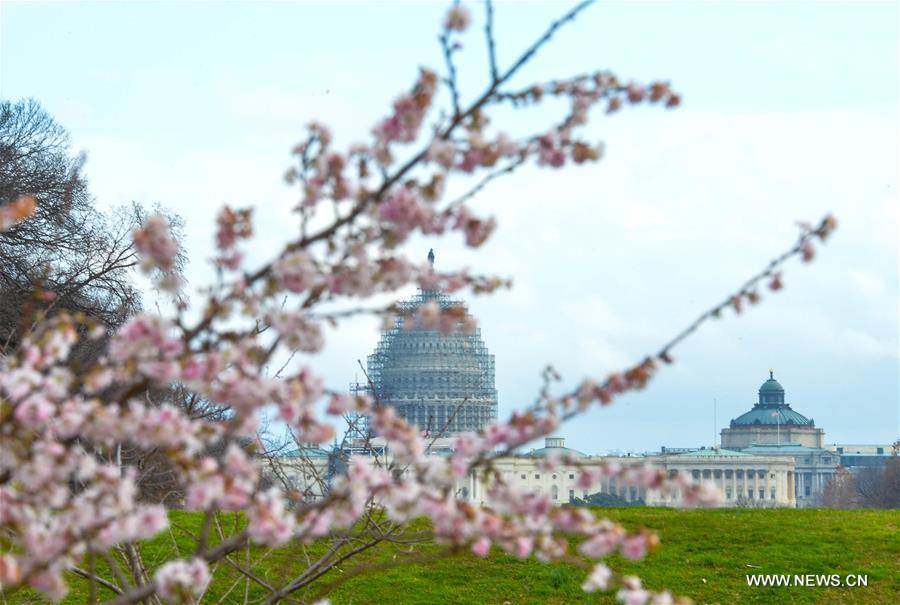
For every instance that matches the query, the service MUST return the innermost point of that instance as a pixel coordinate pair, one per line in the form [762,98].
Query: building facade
[772,428]
[743,479]
[859,457]
[771,456]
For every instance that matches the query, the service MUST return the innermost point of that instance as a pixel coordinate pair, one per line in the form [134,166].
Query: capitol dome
[443,383]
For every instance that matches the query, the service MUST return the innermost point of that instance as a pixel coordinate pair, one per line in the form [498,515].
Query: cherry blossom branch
[748,291]
[448,50]
[404,169]
[489,35]
[94,578]
[508,169]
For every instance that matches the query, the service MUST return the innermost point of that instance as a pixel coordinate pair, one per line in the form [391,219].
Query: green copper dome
[555,446]
[771,409]
[781,415]
[771,392]
[771,386]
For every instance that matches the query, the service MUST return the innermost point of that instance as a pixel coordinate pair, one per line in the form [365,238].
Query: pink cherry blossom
[296,272]
[481,547]
[181,581]
[458,18]
[598,578]
[269,521]
[154,242]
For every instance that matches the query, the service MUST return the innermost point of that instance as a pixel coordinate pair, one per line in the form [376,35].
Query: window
[537,476]
[695,474]
[773,493]
[806,490]
[728,493]
[571,476]
[879,451]
[807,460]
[554,477]
[826,459]
[571,495]
[761,474]
[554,492]
[762,494]
[739,474]
[717,474]
[750,493]
[523,475]
[706,473]
[729,473]
[840,450]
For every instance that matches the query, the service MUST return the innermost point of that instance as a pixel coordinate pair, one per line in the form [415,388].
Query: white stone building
[743,479]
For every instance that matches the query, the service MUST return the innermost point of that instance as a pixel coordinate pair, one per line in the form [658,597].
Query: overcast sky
[790,111]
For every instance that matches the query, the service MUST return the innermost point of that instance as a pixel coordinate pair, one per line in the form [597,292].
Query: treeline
[872,487]
[71,257]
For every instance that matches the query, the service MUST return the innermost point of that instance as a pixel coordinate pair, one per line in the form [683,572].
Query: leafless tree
[840,492]
[880,487]
[872,487]
[71,257]
[68,255]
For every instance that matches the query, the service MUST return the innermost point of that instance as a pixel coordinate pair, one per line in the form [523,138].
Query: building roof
[306,452]
[559,451]
[555,446]
[784,448]
[771,409]
[772,415]
[710,452]
[771,386]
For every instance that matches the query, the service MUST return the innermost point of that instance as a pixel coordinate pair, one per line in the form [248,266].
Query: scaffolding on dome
[443,383]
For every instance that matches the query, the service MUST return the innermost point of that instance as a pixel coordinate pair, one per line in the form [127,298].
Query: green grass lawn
[705,554]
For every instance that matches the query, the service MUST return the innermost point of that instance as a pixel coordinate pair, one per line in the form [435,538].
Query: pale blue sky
[790,111]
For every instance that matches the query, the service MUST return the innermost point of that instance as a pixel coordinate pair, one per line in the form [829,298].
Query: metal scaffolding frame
[443,383]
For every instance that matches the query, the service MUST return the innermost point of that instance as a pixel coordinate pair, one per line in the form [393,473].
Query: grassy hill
[705,554]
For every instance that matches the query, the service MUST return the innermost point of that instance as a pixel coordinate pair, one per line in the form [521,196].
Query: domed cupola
[772,421]
[442,382]
[771,408]
[771,392]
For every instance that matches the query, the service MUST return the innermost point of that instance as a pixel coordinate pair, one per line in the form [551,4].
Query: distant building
[813,468]
[771,421]
[771,456]
[440,382]
[857,457]
[743,479]
[306,470]
[773,428]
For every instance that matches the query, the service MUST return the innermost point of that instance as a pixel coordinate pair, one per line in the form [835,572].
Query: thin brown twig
[491,42]
[95,579]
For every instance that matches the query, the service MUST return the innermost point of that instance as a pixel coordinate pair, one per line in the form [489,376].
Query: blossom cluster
[16,211]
